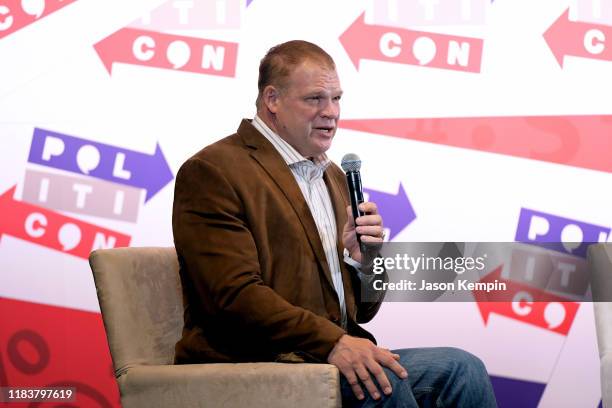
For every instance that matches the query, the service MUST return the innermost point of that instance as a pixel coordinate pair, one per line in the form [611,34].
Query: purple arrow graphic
[102,161]
[512,393]
[551,237]
[395,209]
[249,2]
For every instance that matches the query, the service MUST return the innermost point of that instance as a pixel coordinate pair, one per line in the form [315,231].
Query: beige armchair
[140,298]
[600,265]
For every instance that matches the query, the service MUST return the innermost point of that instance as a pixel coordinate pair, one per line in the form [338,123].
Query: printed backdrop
[475,121]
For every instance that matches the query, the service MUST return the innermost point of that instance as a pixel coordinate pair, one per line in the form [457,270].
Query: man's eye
[314,98]
[337,98]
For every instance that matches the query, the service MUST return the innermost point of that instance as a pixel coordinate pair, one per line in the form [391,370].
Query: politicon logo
[407,13]
[390,34]
[15,15]
[530,305]
[593,11]
[546,274]
[168,51]
[561,234]
[101,161]
[551,269]
[543,285]
[578,39]
[82,195]
[411,47]
[86,178]
[151,40]
[53,230]
[191,15]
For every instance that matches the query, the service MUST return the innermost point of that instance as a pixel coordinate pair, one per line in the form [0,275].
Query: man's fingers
[394,355]
[390,361]
[378,373]
[352,379]
[370,219]
[368,207]
[366,239]
[367,380]
[359,360]
[374,231]
[370,211]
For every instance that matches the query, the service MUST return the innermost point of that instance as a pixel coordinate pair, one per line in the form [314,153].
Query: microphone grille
[350,162]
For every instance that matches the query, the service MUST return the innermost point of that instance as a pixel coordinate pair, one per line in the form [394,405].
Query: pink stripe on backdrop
[579,141]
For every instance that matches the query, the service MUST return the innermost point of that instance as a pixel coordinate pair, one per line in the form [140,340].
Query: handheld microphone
[351,164]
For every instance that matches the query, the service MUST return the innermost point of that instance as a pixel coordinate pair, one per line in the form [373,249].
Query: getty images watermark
[491,272]
[411,264]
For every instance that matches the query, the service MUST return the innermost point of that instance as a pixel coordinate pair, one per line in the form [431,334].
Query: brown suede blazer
[255,279]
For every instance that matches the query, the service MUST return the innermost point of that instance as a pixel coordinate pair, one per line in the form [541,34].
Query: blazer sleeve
[367,307]
[215,243]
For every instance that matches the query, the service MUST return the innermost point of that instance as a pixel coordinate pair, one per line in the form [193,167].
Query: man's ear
[271,97]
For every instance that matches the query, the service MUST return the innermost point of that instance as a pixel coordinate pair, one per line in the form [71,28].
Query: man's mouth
[325,129]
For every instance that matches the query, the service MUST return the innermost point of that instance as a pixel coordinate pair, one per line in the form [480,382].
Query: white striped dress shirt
[309,176]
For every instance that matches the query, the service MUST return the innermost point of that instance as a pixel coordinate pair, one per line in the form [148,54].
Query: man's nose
[331,109]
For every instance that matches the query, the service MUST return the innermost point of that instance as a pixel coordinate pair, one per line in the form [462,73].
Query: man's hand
[369,226]
[359,359]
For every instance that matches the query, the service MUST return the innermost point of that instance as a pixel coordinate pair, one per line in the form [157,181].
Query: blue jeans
[437,377]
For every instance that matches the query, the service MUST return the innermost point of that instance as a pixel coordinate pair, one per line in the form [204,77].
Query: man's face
[308,108]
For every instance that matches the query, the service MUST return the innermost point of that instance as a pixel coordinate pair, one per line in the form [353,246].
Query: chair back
[600,265]
[141,301]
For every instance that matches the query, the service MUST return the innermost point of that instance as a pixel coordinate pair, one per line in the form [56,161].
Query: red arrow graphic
[42,345]
[52,230]
[15,14]
[532,306]
[392,44]
[586,40]
[153,49]
[580,141]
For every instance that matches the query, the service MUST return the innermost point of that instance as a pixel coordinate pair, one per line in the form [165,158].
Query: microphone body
[351,164]
[353,179]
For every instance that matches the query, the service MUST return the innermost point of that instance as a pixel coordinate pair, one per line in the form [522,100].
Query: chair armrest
[231,385]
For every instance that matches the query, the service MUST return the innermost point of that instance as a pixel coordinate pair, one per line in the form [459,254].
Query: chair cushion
[267,385]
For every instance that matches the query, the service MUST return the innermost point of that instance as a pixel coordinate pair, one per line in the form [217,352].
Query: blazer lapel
[272,162]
